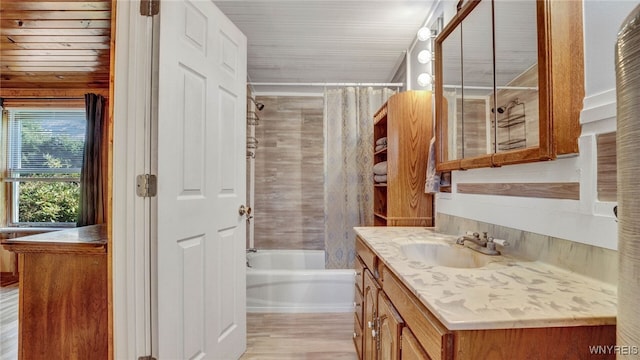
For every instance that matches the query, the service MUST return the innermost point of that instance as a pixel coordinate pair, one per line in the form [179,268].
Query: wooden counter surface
[63,294]
[86,239]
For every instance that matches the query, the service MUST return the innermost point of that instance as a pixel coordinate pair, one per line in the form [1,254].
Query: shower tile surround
[289,168]
[591,261]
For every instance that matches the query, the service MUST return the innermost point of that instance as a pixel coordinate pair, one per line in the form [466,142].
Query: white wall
[587,220]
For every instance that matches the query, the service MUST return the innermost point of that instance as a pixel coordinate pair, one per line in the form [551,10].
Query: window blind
[43,143]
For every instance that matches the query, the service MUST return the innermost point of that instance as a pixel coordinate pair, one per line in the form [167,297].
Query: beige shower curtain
[348,182]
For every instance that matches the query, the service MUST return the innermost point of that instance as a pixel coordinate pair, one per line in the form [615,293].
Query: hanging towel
[432,185]
[380,168]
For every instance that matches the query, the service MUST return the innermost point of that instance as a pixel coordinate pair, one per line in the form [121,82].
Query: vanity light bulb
[424,79]
[424,34]
[424,56]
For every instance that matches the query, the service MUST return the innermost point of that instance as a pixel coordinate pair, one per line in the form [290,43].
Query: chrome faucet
[483,245]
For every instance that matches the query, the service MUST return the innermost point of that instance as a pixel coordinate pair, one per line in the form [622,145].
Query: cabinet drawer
[357,337]
[368,257]
[430,333]
[358,305]
[359,267]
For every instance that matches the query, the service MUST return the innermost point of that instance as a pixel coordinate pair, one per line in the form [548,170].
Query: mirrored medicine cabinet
[509,83]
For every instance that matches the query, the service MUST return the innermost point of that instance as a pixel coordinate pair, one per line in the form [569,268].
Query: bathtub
[295,281]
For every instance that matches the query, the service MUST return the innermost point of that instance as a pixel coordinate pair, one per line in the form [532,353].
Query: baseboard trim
[8,278]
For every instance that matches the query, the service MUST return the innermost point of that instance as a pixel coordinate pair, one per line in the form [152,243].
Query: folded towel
[432,184]
[381,141]
[380,168]
[380,178]
[381,146]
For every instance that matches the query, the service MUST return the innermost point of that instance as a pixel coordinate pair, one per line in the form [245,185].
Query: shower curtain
[348,179]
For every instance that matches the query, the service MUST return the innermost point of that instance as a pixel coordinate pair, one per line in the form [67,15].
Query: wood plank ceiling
[54,45]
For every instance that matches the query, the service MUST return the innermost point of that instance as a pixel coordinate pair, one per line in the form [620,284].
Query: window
[44,158]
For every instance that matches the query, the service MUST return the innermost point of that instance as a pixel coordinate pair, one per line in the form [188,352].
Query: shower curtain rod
[323,84]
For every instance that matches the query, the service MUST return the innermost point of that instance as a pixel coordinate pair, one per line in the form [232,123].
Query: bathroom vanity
[421,296]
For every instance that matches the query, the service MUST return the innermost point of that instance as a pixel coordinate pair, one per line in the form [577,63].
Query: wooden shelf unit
[406,121]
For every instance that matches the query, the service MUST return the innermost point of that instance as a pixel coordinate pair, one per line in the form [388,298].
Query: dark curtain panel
[92,196]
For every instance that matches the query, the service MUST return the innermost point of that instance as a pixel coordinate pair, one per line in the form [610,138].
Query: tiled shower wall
[289,167]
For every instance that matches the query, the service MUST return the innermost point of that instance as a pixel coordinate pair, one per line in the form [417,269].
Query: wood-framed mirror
[509,83]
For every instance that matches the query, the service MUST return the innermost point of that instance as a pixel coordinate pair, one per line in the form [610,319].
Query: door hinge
[147,357]
[149,7]
[146,185]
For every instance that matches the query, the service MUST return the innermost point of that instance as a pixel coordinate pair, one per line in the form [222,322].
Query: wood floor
[300,337]
[9,322]
[269,336]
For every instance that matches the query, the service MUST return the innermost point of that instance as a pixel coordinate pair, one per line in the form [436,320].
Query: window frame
[11,180]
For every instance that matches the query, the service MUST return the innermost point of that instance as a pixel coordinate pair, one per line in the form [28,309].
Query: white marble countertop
[504,293]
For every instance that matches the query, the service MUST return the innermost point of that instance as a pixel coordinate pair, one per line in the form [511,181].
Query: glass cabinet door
[451,100]
[516,70]
[477,81]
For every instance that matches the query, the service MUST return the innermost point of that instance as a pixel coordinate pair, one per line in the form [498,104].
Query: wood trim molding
[130,300]
[41,103]
[61,248]
[555,190]
[607,167]
[51,93]
[8,278]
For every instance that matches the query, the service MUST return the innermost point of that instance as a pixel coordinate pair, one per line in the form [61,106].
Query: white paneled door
[201,184]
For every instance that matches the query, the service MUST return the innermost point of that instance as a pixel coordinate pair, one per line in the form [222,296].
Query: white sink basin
[445,255]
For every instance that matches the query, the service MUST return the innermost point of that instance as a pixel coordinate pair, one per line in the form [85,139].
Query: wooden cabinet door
[370,304]
[357,337]
[390,326]
[411,349]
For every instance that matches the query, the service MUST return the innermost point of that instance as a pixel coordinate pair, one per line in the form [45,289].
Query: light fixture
[424,34]
[424,56]
[424,79]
